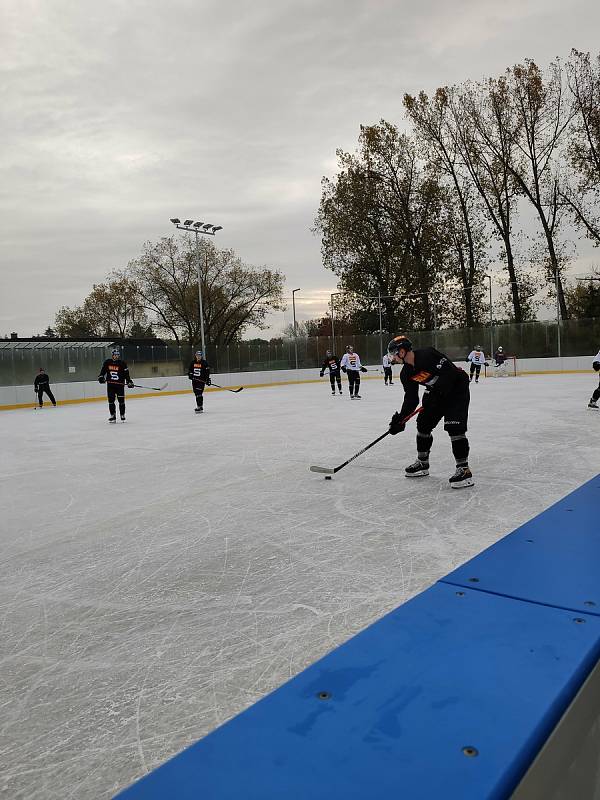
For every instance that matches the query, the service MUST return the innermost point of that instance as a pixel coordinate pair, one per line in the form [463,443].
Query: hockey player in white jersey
[596,396]
[387,370]
[477,359]
[351,365]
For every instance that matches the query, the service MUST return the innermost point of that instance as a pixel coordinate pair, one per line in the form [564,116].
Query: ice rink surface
[159,576]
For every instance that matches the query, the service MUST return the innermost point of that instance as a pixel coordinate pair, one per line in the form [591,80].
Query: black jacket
[42,381]
[433,370]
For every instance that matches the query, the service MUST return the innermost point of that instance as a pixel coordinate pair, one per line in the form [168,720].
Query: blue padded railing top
[450,696]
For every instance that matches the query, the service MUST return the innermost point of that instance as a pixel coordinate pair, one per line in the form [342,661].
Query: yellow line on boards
[31,405]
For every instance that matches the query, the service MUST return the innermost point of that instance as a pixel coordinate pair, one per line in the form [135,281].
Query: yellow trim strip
[262,386]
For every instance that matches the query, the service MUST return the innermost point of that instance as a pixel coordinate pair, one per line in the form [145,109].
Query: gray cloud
[117,116]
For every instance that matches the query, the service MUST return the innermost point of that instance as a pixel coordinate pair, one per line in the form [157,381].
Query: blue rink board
[554,558]
[450,669]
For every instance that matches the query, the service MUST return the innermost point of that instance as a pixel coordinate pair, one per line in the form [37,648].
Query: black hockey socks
[460,449]
[424,442]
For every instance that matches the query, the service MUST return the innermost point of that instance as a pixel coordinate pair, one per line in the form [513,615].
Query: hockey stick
[138,386]
[330,471]
[233,391]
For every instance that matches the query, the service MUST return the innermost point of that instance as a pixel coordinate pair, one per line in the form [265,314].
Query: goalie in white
[500,365]
[477,359]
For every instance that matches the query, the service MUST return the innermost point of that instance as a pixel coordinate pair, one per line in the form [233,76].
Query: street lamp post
[208,229]
[335,294]
[295,329]
[489,277]
[557,312]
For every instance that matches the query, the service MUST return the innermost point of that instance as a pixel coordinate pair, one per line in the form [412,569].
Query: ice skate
[112,418]
[461,478]
[351,397]
[199,410]
[358,397]
[333,393]
[418,469]
[341,392]
[592,403]
[122,417]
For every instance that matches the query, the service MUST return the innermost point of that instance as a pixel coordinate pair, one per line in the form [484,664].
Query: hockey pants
[113,391]
[333,377]
[353,381]
[40,393]
[198,387]
[454,409]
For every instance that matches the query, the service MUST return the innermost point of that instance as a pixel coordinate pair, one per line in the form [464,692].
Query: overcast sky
[117,116]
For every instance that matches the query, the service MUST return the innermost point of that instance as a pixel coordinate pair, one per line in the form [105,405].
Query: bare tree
[486,137]
[434,122]
[583,200]
[235,295]
[538,115]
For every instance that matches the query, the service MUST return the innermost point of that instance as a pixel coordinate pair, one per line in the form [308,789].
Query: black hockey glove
[396,424]
[596,366]
[101,379]
[321,374]
[363,369]
[344,369]
[130,384]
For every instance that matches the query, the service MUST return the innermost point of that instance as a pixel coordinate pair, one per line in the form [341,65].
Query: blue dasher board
[449,696]
[554,558]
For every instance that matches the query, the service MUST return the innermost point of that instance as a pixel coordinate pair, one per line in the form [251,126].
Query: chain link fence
[81,361]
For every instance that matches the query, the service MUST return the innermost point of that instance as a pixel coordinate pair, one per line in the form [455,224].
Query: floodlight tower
[208,229]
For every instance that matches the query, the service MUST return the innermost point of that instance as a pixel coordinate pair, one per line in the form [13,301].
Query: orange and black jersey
[332,364]
[199,370]
[115,371]
[433,370]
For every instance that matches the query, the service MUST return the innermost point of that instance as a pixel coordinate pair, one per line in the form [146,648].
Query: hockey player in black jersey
[446,395]
[41,384]
[332,363]
[115,375]
[596,395]
[199,374]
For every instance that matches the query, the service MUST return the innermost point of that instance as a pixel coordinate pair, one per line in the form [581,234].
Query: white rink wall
[11,396]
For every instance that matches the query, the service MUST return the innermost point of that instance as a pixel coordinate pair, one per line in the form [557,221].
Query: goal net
[506,370]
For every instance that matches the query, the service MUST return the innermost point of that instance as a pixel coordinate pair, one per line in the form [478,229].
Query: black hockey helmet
[116,352]
[400,342]
[349,348]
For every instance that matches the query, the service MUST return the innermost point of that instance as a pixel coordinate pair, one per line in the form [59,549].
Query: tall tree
[583,199]
[235,296]
[434,127]
[377,220]
[482,128]
[110,310]
[538,116]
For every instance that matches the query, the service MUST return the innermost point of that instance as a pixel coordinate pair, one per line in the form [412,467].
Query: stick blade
[326,470]
[235,391]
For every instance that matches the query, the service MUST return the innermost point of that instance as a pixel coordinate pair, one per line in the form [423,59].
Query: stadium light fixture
[196,228]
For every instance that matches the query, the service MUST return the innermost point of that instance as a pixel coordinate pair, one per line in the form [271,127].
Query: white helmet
[499,348]
[198,353]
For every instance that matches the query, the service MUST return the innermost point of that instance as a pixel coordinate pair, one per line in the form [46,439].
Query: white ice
[159,576]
